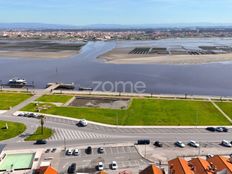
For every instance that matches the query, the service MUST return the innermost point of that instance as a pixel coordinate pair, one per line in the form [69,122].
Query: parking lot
[125,156]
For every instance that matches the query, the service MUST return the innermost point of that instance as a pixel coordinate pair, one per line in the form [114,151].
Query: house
[46,170]
[180,166]
[201,166]
[221,164]
[102,172]
[152,169]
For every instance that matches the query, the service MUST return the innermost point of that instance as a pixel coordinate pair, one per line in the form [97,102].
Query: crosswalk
[61,134]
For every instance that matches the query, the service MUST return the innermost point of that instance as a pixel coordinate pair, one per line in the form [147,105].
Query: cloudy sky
[82,12]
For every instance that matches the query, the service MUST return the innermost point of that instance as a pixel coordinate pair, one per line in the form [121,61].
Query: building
[221,164]
[46,170]
[180,166]
[152,169]
[201,166]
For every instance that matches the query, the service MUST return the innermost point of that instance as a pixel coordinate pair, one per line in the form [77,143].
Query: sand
[38,54]
[121,56]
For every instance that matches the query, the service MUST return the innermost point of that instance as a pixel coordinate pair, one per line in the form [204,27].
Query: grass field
[8,100]
[14,129]
[226,107]
[55,98]
[39,136]
[147,112]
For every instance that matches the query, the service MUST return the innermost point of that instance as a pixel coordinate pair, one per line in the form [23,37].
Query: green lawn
[37,135]
[8,100]
[147,112]
[55,98]
[14,129]
[226,107]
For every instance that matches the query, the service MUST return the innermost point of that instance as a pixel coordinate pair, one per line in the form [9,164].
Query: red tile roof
[179,166]
[152,169]
[221,163]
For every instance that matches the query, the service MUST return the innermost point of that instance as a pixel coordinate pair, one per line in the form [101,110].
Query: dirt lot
[101,102]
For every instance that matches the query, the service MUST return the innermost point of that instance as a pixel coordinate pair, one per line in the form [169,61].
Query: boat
[85,89]
[17,82]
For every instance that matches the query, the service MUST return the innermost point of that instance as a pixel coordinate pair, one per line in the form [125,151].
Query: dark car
[89,150]
[143,142]
[38,142]
[100,150]
[158,144]
[53,150]
[221,129]
[48,150]
[211,129]
[72,169]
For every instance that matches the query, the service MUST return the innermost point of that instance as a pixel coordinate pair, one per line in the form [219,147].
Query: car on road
[180,144]
[72,168]
[193,144]
[21,114]
[69,152]
[222,129]
[40,142]
[100,150]
[226,143]
[100,166]
[76,152]
[143,142]
[158,144]
[114,165]
[83,123]
[211,129]
[89,150]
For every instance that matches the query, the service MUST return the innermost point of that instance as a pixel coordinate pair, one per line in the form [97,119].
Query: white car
[194,144]
[100,166]
[226,143]
[180,144]
[69,152]
[83,123]
[114,165]
[76,152]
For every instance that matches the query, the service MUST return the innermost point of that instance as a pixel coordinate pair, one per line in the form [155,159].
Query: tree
[42,121]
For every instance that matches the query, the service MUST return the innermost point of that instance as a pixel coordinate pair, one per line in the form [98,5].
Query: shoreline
[38,54]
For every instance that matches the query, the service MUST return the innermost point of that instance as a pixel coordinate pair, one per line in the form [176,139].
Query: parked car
[211,129]
[114,165]
[53,150]
[72,169]
[194,144]
[226,143]
[76,152]
[143,142]
[40,142]
[209,156]
[158,144]
[89,150]
[221,129]
[180,144]
[83,123]
[69,152]
[100,166]
[47,151]
[100,150]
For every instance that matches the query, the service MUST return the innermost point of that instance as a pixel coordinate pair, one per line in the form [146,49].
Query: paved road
[95,134]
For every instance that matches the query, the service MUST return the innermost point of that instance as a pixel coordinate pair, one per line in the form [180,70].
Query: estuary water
[84,69]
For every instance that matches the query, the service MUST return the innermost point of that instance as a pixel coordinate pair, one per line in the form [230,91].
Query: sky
[85,12]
